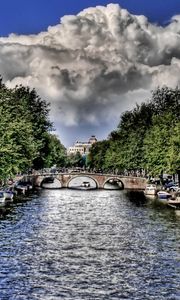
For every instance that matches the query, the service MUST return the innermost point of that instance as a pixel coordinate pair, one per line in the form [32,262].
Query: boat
[20,188]
[2,198]
[177,195]
[8,195]
[85,184]
[175,203]
[23,187]
[163,195]
[151,190]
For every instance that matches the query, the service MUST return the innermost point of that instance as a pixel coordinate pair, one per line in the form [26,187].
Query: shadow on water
[139,199]
[18,201]
[155,208]
[136,197]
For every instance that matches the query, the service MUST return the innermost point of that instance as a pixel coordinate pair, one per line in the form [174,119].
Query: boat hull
[174,204]
[150,190]
[164,195]
[2,198]
[8,195]
[150,193]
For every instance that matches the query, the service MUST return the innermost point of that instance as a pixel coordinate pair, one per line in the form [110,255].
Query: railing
[83,172]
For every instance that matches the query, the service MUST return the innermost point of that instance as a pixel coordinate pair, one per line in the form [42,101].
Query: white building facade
[82,147]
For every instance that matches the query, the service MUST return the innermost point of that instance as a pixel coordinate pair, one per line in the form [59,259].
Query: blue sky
[33,16]
[89,72]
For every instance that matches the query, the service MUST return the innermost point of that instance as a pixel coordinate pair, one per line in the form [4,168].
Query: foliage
[97,155]
[159,151]
[148,137]
[25,139]
[75,160]
[55,153]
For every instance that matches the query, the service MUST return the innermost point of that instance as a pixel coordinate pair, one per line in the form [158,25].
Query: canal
[78,245]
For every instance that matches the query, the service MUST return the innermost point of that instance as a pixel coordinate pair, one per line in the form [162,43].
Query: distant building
[82,147]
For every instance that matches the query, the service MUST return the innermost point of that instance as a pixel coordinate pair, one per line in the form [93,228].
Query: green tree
[37,112]
[55,152]
[97,155]
[25,138]
[147,137]
[162,144]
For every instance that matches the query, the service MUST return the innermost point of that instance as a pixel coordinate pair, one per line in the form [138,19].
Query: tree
[55,152]
[97,155]
[25,138]
[37,112]
[162,144]
[17,145]
[147,137]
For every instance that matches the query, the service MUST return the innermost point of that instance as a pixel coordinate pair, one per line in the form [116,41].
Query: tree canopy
[25,132]
[147,137]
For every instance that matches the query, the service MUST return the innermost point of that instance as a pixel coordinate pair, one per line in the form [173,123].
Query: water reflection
[66,244]
[51,183]
[82,182]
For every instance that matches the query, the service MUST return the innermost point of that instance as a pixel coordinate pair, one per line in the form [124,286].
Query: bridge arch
[50,182]
[81,176]
[115,180]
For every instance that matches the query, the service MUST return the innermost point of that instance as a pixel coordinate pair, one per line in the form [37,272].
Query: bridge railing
[49,172]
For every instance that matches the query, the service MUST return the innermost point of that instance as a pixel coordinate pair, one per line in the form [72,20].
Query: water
[66,244]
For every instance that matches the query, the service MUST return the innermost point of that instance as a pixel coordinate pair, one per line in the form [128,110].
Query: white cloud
[88,65]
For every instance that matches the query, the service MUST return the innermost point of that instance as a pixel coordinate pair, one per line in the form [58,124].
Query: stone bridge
[126,182]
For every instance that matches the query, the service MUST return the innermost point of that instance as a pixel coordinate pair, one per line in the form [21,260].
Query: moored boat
[2,198]
[8,195]
[23,187]
[151,190]
[177,195]
[175,203]
[163,195]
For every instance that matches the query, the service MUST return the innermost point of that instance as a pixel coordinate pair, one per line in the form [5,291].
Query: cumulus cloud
[94,65]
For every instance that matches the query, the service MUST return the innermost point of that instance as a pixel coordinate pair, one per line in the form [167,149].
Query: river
[78,245]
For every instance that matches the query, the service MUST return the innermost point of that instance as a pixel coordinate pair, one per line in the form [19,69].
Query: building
[82,147]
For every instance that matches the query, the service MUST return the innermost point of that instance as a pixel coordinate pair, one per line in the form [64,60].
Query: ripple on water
[66,244]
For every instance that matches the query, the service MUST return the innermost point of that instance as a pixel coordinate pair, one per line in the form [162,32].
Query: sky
[93,65]
[33,16]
